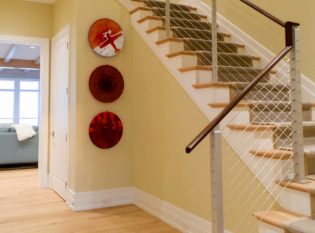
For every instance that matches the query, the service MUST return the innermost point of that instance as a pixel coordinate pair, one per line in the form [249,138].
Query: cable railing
[259,119]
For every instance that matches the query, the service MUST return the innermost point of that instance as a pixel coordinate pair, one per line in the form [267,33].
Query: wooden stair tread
[308,187]
[251,127]
[162,28]
[238,85]
[309,151]
[262,104]
[186,52]
[278,218]
[273,154]
[143,8]
[225,68]
[139,8]
[241,104]
[161,18]
[183,40]
[171,39]
[190,7]
[149,17]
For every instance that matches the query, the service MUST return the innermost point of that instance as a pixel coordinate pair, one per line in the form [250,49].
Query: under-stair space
[262,119]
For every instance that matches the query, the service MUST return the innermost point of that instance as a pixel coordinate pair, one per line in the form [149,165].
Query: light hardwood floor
[27,209]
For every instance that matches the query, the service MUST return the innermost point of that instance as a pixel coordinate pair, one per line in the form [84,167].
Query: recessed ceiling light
[32,47]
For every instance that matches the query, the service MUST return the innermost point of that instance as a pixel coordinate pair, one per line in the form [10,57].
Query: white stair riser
[170,47]
[313,113]
[241,50]
[239,115]
[157,35]
[268,228]
[139,14]
[269,171]
[184,61]
[149,24]
[212,95]
[138,4]
[296,201]
[262,140]
[257,64]
[201,76]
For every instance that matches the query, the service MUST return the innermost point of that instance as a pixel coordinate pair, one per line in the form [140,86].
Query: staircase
[263,118]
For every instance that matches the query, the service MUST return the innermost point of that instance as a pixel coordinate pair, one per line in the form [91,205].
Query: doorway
[43,113]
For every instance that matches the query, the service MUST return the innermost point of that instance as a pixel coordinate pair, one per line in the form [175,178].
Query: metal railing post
[216,181]
[168,18]
[296,106]
[214,36]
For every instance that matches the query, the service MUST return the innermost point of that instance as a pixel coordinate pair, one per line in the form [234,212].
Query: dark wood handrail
[235,101]
[263,12]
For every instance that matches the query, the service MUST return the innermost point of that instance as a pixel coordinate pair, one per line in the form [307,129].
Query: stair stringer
[202,98]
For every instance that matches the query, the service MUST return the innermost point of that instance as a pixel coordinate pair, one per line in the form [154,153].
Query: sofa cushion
[4,129]
[12,129]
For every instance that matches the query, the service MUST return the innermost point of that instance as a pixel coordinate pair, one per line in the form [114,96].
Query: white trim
[43,43]
[178,218]
[100,199]
[59,186]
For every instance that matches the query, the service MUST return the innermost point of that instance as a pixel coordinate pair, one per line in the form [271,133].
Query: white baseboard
[100,199]
[178,218]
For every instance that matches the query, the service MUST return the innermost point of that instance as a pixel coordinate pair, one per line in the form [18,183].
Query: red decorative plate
[106,84]
[106,37]
[106,130]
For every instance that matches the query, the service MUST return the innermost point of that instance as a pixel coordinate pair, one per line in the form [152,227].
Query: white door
[59,113]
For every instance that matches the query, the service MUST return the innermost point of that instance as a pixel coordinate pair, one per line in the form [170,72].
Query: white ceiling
[22,52]
[42,1]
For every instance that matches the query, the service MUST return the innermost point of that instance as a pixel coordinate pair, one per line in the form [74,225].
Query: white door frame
[43,43]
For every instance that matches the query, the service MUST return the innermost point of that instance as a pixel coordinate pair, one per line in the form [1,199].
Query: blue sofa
[13,152]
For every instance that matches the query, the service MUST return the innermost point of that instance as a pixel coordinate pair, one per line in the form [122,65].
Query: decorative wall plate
[106,37]
[106,84]
[106,130]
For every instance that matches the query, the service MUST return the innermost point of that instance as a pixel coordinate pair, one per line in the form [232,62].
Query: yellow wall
[25,18]
[64,11]
[159,119]
[271,35]
[95,168]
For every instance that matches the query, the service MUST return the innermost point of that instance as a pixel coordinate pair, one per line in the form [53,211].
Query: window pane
[6,104]
[33,122]
[6,85]
[29,85]
[10,121]
[28,105]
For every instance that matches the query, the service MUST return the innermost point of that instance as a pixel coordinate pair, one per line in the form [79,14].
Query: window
[19,101]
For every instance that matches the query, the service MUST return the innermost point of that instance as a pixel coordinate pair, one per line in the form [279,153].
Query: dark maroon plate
[106,130]
[106,83]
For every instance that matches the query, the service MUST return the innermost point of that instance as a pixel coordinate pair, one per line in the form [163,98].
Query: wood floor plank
[26,208]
